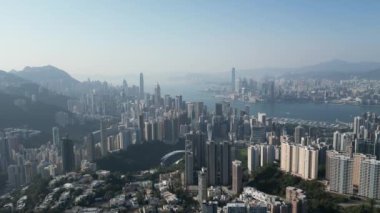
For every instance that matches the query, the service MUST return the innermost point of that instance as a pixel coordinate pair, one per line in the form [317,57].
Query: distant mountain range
[338,70]
[334,69]
[49,77]
[25,104]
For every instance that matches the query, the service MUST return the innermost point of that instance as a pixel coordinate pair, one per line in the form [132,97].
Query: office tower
[237,177]
[347,139]
[225,163]
[103,141]
[148,131]
[261,117]
[253,158]
[55,131]
[90,147]
[4,153]
[142,86]
[340,173]
[297,198]
[336,141]
[210,207]
[218,157]
[358,122]
[157,95]
[142,127]
[257,133]
[209,131]
[369,179]
[174,130]
[190,111]
[198,109]
[299,132]
[154,131]
[211,162]
[299,160]
[189,164]
[67,155]
[219,109]
[358,159]
[198,145]
[233,79]
[202,185]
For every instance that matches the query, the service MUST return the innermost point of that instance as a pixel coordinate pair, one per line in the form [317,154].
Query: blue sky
[89,38]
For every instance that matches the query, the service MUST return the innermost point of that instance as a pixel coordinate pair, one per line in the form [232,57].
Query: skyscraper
[369,179]
[340,173]
[189,164]
[253,158]
[55,131]
[103,141]
[233,79]
[237,176]
[90,147]
[336,141]
[211,162]
[299,160]
[358,159]
[358,121]
[157,95]
[202,185]
[141,86]
[299,132]
[68,158]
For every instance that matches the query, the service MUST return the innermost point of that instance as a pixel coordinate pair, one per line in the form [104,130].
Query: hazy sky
[122,37]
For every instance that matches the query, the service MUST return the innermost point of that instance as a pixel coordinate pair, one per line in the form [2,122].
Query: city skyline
[88,39]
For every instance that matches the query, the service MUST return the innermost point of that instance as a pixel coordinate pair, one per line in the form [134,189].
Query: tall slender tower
[90,147]
[237,176]
[141,86]
[55,131]
[103,141]
[68,159]
[157,95]
[233,79]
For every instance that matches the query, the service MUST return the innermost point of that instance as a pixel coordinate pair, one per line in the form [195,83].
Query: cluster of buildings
[214,170]
[353,91]
[253,200]
[352,166]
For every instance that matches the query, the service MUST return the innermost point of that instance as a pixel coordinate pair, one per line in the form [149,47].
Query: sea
[305,111]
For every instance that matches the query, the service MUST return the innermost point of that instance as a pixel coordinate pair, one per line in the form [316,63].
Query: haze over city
[120,38]
[190,106]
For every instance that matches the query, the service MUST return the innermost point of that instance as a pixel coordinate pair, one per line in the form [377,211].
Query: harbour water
[305,111]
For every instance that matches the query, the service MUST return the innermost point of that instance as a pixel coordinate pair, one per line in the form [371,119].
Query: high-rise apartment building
[68,158]
[253,158]
[358,159]
[340,172]
[237,176]
[202,185]
[233,79]
[299,133]
[55,133]
[141,93]
[370,179]
[299,160]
